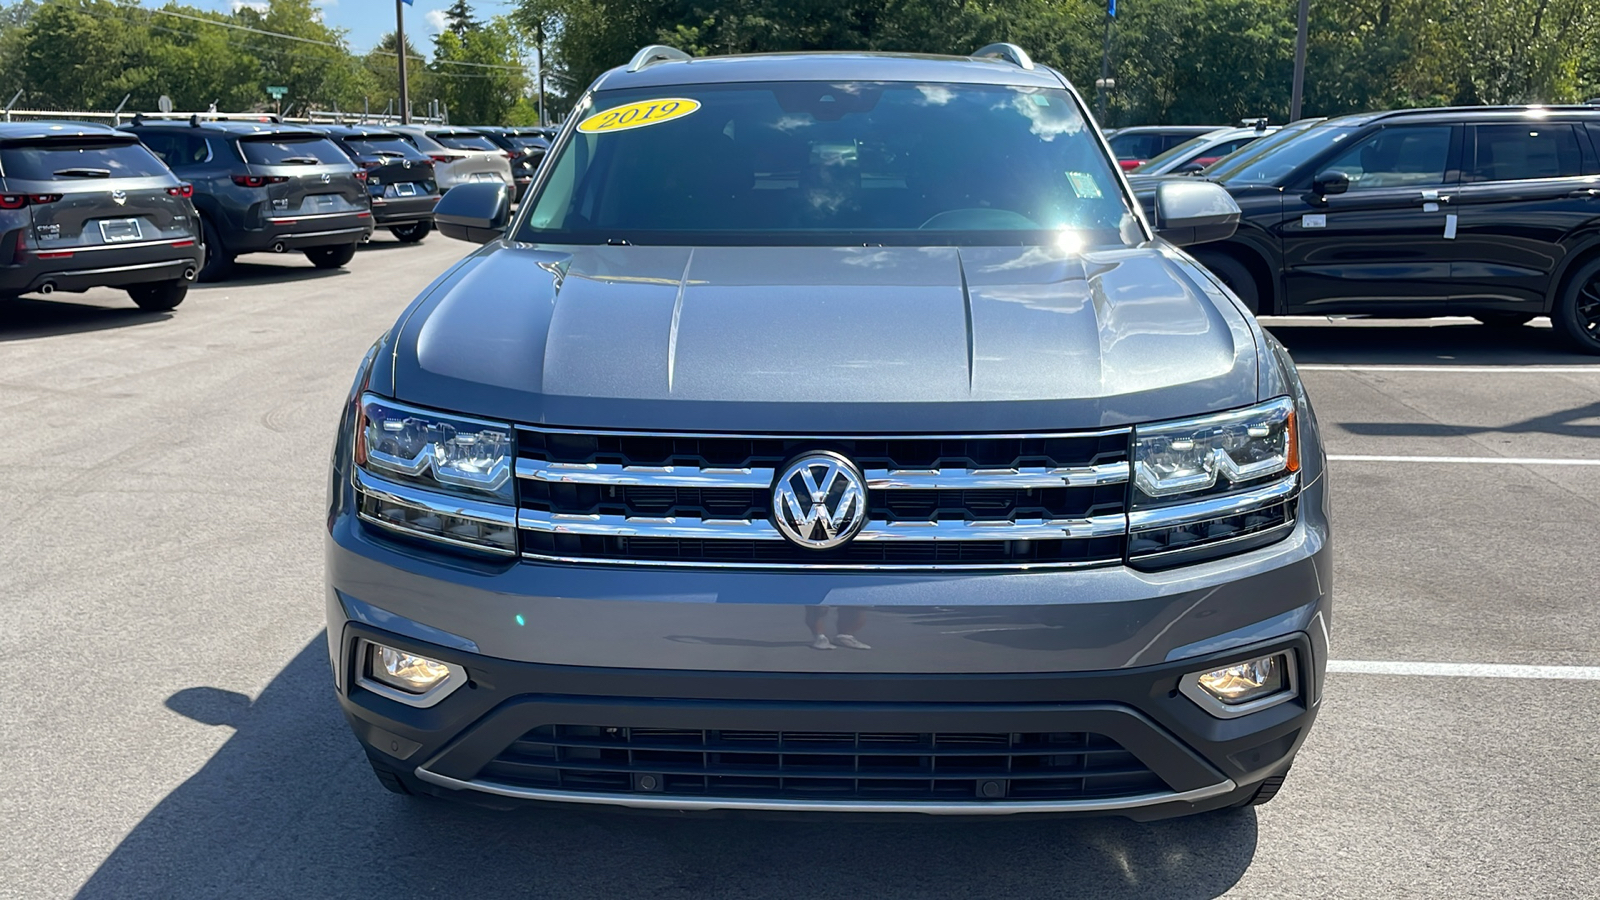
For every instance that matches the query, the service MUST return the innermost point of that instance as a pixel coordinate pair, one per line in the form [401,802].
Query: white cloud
[436,19]
[259,6]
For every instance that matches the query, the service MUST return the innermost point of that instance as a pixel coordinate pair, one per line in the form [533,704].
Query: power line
[305,40]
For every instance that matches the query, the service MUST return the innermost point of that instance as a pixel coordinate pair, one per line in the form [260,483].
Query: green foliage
[485,90]
[1174,61]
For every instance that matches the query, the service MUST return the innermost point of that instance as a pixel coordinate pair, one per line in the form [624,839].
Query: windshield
[83,158]
[290,151]
[833,164]
[1268,160]
[1184,150]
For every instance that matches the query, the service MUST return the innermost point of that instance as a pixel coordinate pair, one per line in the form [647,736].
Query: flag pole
[400,51]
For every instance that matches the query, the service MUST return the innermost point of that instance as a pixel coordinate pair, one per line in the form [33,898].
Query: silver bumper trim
[968,808]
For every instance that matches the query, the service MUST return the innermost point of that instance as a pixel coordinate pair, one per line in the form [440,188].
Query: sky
[365,21]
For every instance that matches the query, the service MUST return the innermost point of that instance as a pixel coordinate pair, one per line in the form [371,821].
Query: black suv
[261,186]
[1492,212]
[400,179]
[526,145]
[83,206]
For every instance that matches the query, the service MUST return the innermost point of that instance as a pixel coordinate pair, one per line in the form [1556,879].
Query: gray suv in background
[84,206]
[784,454]
[263,187]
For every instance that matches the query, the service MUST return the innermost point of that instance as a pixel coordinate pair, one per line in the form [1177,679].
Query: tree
[458,19]
[479,74]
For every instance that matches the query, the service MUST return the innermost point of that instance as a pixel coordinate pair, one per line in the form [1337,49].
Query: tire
[390,779]
[411,234]
[1503,319]
[159,296]
[333,257]
[1236,276]
[1577,313]
[216,262]
[1265,791]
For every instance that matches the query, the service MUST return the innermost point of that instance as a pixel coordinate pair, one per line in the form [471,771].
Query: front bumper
[1189,761]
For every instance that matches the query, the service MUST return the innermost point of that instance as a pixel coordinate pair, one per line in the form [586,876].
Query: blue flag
[409,3]
[1111,7]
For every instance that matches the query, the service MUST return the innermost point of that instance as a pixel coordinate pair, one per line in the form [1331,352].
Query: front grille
[774,765]
[996,501]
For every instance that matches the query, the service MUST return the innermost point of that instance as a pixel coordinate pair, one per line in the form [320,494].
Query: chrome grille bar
[762,530]
[877,479]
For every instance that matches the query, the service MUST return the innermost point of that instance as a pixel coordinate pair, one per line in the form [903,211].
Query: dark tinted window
[384,145]
[277,151]
[51,160]
[524,141]
[465,141]
[1139,145]
[831,163]
[1510,152]
[1396,157]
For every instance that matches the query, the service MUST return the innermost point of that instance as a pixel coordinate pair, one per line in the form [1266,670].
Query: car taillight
[361,174]
[13,201]
[183,190]
[510,155]
[255,181]
[43,198]
[439,157]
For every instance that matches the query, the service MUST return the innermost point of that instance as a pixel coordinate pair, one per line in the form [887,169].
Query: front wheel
[216,262]
[1577,312]
[1264,792]
[159,296]
[331,257]
[410,234]
[1236,276]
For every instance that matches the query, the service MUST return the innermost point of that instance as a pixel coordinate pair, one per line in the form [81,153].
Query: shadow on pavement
[1580,422]
[246,274]
[288,808]
[1423,342]
[26,317]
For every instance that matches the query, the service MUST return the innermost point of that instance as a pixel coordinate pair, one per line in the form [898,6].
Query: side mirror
[1195,212]
[474,212]
[1191,168]
[1330,182]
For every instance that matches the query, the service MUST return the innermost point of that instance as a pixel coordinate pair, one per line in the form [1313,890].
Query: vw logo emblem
[819,501]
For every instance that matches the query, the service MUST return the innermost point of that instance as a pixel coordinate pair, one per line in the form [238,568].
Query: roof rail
[1011,53]
[653,54]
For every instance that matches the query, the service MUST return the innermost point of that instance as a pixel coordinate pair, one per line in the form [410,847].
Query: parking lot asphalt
[168,727]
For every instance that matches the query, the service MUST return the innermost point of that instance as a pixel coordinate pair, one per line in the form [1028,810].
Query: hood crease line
[966,306]
[677,313]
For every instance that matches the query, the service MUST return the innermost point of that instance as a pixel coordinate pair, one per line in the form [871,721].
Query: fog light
[1246,681]
[1244,687]
[406,671]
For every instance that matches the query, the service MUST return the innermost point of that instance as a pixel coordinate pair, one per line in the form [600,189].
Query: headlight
[436,476]
[1223,477]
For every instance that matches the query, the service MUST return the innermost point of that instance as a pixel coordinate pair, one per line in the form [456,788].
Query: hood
[825,340]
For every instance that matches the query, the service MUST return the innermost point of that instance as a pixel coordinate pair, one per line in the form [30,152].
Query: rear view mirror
[1330,182]
[474,212]
[1195,212]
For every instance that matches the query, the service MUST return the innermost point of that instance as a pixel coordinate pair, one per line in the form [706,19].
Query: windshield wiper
[83,173]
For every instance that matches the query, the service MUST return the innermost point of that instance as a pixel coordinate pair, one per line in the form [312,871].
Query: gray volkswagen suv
[784,454]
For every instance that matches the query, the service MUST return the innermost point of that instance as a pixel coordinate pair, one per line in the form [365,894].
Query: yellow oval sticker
[638,115]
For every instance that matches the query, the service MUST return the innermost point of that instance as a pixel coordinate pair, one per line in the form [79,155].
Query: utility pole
[1104,84]
[400,51]
[538,38]
[1298,94]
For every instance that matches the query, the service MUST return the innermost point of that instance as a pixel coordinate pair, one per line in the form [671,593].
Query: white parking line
[1490,460]
[1464,670]
[1453,370]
